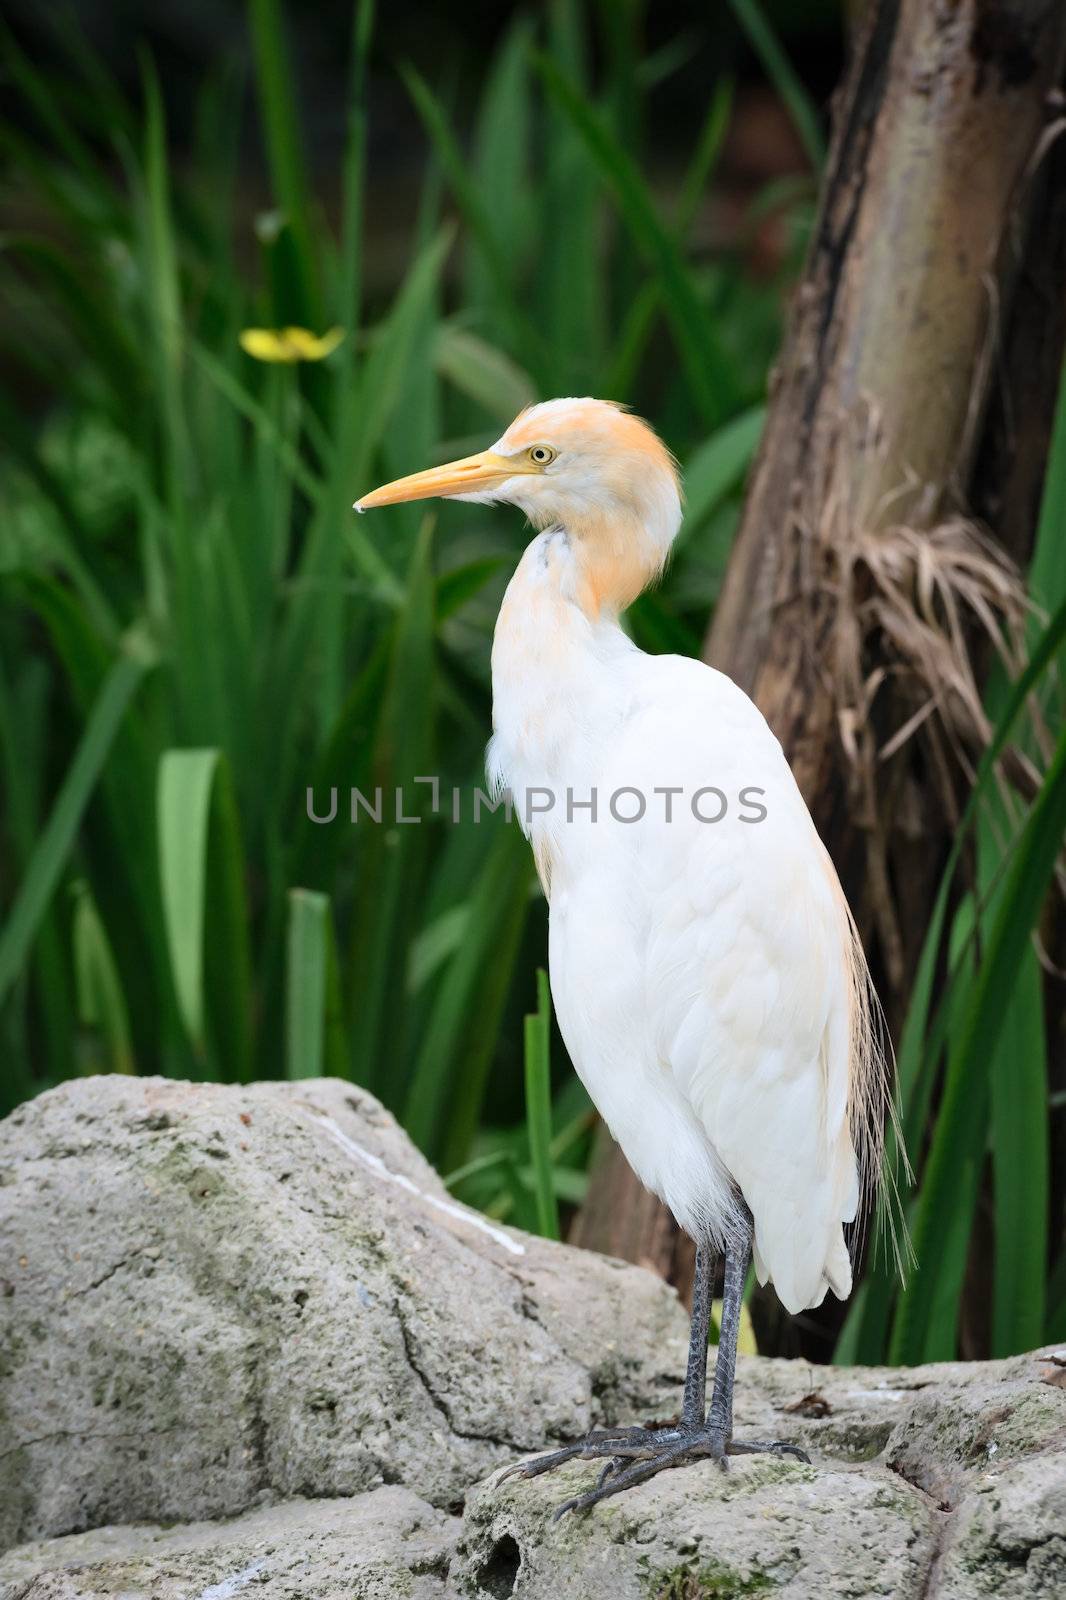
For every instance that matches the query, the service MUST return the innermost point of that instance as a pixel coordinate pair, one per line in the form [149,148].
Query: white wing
[704,979]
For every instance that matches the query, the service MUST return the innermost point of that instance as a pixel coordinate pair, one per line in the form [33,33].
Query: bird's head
[588,465]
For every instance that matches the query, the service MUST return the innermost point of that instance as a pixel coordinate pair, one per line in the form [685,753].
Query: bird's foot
[600,1444]
[632,1455]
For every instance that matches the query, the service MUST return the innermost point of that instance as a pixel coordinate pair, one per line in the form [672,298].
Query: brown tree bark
[896,343]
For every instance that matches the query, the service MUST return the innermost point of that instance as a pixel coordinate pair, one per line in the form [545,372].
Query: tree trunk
[867,460]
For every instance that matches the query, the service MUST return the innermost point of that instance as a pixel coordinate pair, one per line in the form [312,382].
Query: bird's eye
[541,454]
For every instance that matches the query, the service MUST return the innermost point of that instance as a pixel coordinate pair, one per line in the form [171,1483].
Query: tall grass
[197,637]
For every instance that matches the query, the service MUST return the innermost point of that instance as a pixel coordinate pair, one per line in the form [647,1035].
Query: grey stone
[860,1522]
[1007,1537]
[384,1545]
[216,1293]
[259,1304]
[766,1525]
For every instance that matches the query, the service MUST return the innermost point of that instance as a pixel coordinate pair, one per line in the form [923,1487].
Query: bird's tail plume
[876,1131]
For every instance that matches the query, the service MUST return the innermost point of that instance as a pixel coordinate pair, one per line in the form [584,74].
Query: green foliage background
[195,630]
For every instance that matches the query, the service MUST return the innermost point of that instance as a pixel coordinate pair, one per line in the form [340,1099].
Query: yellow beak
[468,476]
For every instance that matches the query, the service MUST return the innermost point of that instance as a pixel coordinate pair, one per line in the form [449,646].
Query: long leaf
[353,176]
[527,344]
[709,370]
[444,1099]
[1020,1176]
[183,804]
[866,1331]
[192,863]
[1047,573]
[539,1110]
[98,987]
[784,78]
[305,983]
[717,467]
[278,111]
[392,854]
[966,1088]
[54,846]
[164,294]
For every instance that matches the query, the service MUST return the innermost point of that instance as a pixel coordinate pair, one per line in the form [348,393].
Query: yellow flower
[289,344]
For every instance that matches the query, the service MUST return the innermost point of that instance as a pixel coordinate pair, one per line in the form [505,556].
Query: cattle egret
[707,976]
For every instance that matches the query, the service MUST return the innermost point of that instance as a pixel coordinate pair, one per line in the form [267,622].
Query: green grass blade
[313,630]
[1020,1135]
[353,175]
[718,467]
[264,423]
[913,1056]
[539,1109]
[391,856]
[40,94]
[164,293]
[448,1082]
[461,584]
[385,369]
[201,870]
[502,155]
[705,157]
[866,1330]
[1047,572]
[709,370]
[966,1088]
[277,104]
[783,76]
[119,829]
[97,986]
[1020,1161]
[24,726]
[183,803]
[346,761]
[941,1339]
[54,846]
[365,556]
[65,544]
[528,347]
[305,983]
[480,371]
[228,968]
[104,339]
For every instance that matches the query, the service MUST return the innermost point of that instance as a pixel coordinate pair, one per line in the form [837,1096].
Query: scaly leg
[622,1443]
[643,1452]
[720,1414]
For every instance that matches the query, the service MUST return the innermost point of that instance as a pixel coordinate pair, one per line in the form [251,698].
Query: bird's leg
[719,1428]
[631,1455]
[695,1395]
[616,1445]
[734,1272]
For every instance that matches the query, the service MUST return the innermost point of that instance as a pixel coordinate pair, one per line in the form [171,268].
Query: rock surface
[259,1305]
[372,1546]
[214,1292]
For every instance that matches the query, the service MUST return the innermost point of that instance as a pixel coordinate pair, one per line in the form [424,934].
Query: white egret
[705,968]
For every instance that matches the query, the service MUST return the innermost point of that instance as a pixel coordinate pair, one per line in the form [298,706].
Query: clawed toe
[633,1455]
[611,1443]
[539,1464]
[772,1447]
[614,1482]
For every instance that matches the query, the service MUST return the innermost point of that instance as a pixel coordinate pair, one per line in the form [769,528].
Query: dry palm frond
[929,596]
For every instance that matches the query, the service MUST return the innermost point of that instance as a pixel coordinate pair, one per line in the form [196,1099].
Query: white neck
[556,690]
